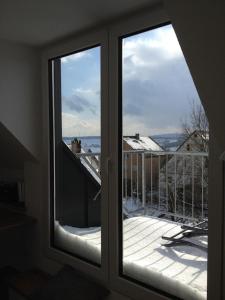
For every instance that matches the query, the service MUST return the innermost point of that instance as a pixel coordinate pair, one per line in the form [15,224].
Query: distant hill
[169,141]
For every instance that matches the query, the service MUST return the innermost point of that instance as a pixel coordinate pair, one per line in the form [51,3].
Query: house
[28,33]
[140,164]
[195,142]
[138,142]
[186,174]
[138,160]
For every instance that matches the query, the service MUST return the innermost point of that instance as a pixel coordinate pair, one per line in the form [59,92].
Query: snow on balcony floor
[180,270]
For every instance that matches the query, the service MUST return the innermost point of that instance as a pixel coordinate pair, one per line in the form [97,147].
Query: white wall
[200,27]
[20,101]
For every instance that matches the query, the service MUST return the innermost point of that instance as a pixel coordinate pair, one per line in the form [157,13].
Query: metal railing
[157,183]
[92,162]
[171,183]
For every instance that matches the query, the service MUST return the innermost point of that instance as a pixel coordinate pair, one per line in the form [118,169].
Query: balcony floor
[180,270]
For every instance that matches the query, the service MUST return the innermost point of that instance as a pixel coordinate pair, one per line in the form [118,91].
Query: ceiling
[39,22]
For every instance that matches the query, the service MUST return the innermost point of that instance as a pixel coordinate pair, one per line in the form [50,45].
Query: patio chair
[188,231]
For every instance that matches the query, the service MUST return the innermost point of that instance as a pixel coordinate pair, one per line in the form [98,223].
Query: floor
[179,270]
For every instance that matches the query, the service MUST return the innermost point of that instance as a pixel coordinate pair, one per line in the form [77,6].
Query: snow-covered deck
[180,270]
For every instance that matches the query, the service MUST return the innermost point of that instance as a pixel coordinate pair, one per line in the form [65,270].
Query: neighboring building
[140,161]
[186,172]
[198,141]
[138,142]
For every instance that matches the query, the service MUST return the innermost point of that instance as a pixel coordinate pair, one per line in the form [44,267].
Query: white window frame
[132,25]
[109,273]
[70,46]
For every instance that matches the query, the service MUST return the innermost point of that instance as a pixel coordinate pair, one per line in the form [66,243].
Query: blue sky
[81,93]
[157,87]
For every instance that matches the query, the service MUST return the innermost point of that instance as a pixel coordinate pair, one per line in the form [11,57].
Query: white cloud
[157,89]
[88,93]
[146,52]
[82,101]
[135,125]
[157,85]
[74,125]
[163,41]
[74,57]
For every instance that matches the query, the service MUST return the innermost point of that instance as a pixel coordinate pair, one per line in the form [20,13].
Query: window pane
[164,167]
[78,154]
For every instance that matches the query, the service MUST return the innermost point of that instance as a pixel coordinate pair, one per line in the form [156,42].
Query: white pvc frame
[138,23]
[70,46]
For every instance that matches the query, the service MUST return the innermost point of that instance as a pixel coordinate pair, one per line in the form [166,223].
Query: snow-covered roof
[87,164]
[143,143]
[90,170]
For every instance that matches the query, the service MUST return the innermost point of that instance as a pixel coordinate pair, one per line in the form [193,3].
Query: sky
[158,90]
[80,85]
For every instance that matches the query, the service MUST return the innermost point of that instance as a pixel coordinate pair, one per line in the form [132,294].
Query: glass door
[77,153]
[164,174]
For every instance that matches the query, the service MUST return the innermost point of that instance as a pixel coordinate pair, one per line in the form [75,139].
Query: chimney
[76,146]
[137,136]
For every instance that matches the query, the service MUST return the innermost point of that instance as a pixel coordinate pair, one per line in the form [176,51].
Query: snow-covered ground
[178,270]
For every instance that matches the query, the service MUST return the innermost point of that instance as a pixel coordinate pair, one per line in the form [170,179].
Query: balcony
[165,213]
[163,184]
[166,184]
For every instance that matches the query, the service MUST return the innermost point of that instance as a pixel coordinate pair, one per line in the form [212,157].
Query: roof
[143,143]
[189,137]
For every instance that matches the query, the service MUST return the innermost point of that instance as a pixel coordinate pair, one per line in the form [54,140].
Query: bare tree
[197,123]
[179,183]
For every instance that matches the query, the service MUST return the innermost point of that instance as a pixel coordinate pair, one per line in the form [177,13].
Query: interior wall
[20,94]
[200,27]
[20,114]
[35,208]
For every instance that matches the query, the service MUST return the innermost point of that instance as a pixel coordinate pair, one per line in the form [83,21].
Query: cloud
[147,52]
[81,113]
[74,125]
[157,85]
[151,45]
[82,100]
[76,103]
[75,57]
[139,125]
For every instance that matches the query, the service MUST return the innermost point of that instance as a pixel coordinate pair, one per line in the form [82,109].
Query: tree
[181,181]
[197,123]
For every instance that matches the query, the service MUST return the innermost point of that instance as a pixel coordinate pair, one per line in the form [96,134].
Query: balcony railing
[170,183]
[92,162]
[174,184]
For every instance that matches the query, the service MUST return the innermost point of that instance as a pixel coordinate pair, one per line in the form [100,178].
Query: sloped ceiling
[40,22]
[12,153]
